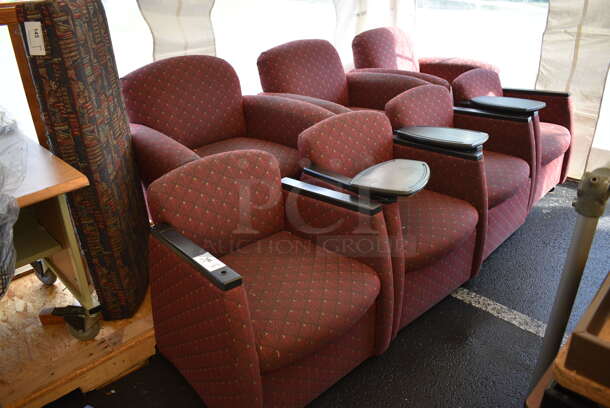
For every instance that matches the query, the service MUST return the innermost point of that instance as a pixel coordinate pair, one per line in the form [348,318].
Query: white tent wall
[180,27]
[600,148]
[575,57]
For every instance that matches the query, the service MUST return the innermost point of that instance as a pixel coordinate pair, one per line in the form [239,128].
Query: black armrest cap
[452,138]
[337,198]
[222,276]
[502,103]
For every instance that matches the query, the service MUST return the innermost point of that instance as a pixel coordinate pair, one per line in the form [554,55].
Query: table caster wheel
[44,274]
[88,333]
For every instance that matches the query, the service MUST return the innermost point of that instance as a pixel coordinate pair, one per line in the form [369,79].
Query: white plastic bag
[12,172]
[9,211]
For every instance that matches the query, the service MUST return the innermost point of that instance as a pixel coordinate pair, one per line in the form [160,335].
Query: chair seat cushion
[555,141]
[301,296]
[505,176]
[287,156]
[433,225]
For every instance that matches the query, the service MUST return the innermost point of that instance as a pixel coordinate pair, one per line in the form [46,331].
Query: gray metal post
[593,192]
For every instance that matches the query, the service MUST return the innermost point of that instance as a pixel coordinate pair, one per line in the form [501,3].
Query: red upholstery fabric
[433,225]
[433,80]
[301,296]
[476,82]
[279,120]
[558,108]
[554,141]
[215,354]
[319,143]
[384,47]
[459,178]
[348,143]
[505,176]
[287,157]
[374,90]
[299,383]
[428,105]
[450,68]
[427,286]
[156,153]
[506,218]
[195,100]
[330,106]
[304,67]
[511,137]
[223,202]
[548,177]
[354,235]
[309,302]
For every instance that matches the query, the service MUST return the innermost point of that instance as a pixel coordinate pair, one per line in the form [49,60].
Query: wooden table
[44,230]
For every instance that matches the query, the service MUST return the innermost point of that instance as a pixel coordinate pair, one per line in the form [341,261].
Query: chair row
[266,290]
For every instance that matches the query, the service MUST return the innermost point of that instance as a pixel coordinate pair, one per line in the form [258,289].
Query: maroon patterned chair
[184,108]
[295,291]
[391,50]
[552,123]
[436,234]
[508,161]
[311,70]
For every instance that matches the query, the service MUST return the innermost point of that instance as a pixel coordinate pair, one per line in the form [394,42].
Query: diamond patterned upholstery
[313,70]
[393,49]
[505,176]
[348,146]
[476,82]
[554,140]
[428,105]
[286,156]
[306,297]
[433,225]
[428,226]
[301,296]
[385,47]
[194,99]
[196,102]
[305,67]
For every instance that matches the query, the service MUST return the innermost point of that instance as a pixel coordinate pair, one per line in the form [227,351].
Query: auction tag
[209,261]
[33,31]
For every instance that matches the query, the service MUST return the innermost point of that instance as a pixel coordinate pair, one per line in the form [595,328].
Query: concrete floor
[456,355]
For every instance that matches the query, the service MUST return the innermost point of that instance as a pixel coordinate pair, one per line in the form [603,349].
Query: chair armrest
[517,106]
[199,326]
[336,198]
[419,75]
[383,182]
[558,105]
[508,133]
[157,153]
[322,103]
[222,276]
[279,119]
[373,90]
[355,235]
[450,68]
[462,143]
[457,177]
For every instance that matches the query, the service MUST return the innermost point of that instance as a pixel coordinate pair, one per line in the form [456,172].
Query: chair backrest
[305,67]
[384,47]
[223,201]
[476,82]
[194,99]
[348,143]
[427,105]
